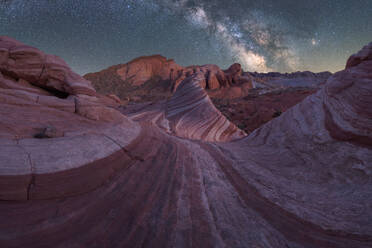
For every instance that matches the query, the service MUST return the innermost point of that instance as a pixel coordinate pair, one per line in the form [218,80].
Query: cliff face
[79,170]
[247,99]
[151,78]
[155,77]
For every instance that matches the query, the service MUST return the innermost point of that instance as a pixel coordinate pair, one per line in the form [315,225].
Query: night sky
[266,35]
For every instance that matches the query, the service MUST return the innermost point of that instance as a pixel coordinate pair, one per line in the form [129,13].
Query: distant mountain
[155,78]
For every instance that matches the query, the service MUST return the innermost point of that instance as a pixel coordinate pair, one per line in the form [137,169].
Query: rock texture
[46,71]
[255,109]
[152,178]
[155,78]
[142,69]
[295,79]
[52,126]
[189,113]
[192,114]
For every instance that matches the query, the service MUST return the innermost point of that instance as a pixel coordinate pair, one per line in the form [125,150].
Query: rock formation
[189,113]
[94,177]
[299,79]
[154,78]
[255,109]
[142,69]
[158,77]
[53,125]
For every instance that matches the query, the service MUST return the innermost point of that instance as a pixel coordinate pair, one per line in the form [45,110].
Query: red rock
[114,97]
[142,69]
[154,179]
[254,110]
[155,78]
[191,114]
[363,55]
[233,73]
[43,132]
[39,69]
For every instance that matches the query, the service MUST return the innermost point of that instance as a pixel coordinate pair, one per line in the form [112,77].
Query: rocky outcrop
[314,162]
[294,79]
[46,71]
[142,69]
[189,113]
[53,127]
[155,78]
[363,55]
[192,115]
[255,109]
[301,180]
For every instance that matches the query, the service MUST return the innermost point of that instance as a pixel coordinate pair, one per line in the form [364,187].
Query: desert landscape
[154,153]
[80,168]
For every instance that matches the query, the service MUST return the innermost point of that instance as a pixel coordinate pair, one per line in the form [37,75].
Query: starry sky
[266,35]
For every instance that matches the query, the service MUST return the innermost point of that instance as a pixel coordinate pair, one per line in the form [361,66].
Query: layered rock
[142,69]
[255,109]
[294,79]
[152,78]
[155,77]
[189,113]
[313,163]
[192,114]
[53,127]
[301,180]
[46,71]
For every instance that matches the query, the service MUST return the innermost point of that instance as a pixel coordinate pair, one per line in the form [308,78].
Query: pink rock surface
[142,69]
[155,75]
[154,179]
[48,71]
[189,113]
[192,114]
[53,123]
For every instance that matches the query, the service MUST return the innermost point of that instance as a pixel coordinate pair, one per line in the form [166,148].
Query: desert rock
[175,173]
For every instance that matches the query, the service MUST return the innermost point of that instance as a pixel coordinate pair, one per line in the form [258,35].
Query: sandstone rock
[93,109]
[192,114]
[234,73]
[114,97]
[311,156]
[253,110]
[155,78]
[46,138]
[142,69]
[49,132]
[363,55]
[46,71]
[159,178]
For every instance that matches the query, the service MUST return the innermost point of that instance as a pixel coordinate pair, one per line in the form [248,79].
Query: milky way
[268,35]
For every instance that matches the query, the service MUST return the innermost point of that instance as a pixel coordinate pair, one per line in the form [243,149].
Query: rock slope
[255,109]
[189,113]
[155,77]
[53,125]
[301,180]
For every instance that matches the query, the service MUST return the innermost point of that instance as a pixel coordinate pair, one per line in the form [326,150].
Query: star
[92,35]
[314,42]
